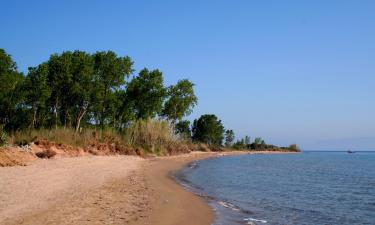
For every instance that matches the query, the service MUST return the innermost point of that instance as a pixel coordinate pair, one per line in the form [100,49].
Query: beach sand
[101,190]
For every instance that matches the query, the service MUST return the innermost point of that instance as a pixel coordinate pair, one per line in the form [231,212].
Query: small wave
[193,165]
[255,220]
[232,207]
[228,205]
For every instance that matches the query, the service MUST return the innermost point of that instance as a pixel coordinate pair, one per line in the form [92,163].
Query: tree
[147,93]
[229,137]
[82,86]
[247,140]
[72,80]
[240,144]
[294,147]
[38,91]
[208,129]
[124,110]
[60,79]
[110,72]
[181,100]
[183,128]
[258,143]
[11,93]
[258,140]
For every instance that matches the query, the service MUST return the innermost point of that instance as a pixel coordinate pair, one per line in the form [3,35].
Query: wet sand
[171,204]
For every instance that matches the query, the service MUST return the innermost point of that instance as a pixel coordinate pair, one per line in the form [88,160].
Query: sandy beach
[101,190]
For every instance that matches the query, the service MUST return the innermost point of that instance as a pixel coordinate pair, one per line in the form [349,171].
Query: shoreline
[103,190]
[173,203]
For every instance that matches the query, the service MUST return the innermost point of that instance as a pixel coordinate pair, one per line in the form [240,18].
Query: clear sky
[288,71]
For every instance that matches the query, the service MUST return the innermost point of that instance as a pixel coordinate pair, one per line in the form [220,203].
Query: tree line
[75,89]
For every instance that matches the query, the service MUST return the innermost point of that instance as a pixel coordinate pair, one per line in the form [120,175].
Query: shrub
[294,147]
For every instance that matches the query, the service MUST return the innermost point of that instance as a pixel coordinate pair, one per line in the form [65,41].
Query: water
[307,188]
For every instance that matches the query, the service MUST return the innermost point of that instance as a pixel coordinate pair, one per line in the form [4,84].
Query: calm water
[308,188]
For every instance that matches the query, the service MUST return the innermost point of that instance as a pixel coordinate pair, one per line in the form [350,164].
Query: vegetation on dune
[155,137]
[83,99]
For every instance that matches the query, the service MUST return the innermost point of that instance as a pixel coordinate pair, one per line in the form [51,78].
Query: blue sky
[288,71]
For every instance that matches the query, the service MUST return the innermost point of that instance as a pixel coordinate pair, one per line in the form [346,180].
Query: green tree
[294,147]
[183,128]
[247,140]
[258,140]
[208,129]
[147,93]
[111,72]
[240,144]
[11,93]
[82,85]
[60,79]
[229,137]
[38,92]
[71,78]
[181,100]
[124,110]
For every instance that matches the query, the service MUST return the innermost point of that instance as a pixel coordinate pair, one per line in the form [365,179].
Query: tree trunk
[34,118]
[81,113]
[55,116]
[78,123]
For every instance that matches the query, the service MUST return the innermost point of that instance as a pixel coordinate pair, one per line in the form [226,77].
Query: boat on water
[349,151]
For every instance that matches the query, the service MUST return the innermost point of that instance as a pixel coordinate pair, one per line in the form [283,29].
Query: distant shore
[102,190]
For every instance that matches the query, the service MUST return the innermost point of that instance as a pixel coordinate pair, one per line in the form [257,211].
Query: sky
[288,71]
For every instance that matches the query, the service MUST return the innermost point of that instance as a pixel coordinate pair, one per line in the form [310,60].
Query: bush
[294,147]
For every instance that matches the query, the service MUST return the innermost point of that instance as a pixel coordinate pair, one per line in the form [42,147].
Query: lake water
[307,188]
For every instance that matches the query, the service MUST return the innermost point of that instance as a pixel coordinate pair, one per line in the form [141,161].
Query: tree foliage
[147,93]
[76,88]
[183,128]
[11,95]
[110,73]
[181,100]
[208,129]
[229,137]
[37,94]
[258,140]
